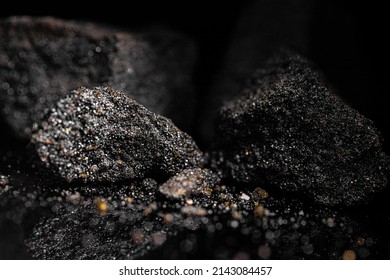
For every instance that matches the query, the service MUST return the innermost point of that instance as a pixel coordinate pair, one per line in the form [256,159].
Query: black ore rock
[41,59]
[291,132]
[101,135]
[263,27]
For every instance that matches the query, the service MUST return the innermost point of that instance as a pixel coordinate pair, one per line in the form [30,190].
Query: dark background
[347,40]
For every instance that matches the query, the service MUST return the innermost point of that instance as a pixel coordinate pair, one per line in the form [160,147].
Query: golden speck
[119,162]
[129,200]
[138,236]
[233,206]
[99,111]
[262,193]
[158,239]
[91,148]
[260,211]
[84,176]
[207,191]
[236,215]
[48,141]
[79,90]
[168,218]
[67,130]
[330,222]
[102,206]
[150,208]
[349,255]
[247,153]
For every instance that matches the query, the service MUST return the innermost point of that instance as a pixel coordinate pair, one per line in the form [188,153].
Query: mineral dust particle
[262,193]
[360,241]
[349,255]
[241,256]
[138,236]
[264,252]
[236,215]
[260,211]
[330,222]
[158,239]
[102,206]
[189,201]
[207,191]
[168,218]
[84,176]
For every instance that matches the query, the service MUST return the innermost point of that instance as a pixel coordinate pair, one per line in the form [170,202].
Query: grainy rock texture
[263,27]
[41,59]
[291,132]
[190,181]
[101,135]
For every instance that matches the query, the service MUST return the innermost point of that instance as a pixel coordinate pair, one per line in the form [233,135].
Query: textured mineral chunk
[41,59]
[102,135]
[291,132]
[190,181]
[262,28]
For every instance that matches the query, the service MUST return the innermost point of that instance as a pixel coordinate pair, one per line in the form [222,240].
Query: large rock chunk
[263,27]
[291,132]
[41,59]
[102,135]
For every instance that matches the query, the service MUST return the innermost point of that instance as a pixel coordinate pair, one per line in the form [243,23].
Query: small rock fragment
[3,181]
[101,135]
[291,132]
[4,184]
[41,59]
[188,182]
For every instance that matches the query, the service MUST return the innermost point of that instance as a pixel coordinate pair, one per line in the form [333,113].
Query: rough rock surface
[101,135]
[263,27]
[291,132]
[190,181]
[41,59]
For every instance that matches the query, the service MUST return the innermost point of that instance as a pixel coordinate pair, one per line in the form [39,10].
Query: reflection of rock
[290,131]
[43,58]
[101,135]
[286,229]
[133,220]
[264,27]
